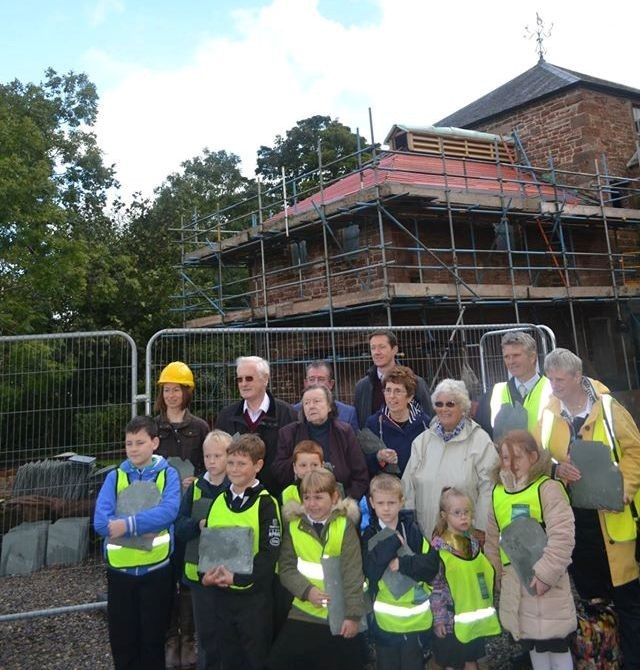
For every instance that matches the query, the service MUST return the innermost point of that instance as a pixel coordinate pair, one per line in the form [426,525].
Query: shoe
[172,653]
[188,653]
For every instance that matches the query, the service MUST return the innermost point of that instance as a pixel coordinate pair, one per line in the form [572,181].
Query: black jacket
[231,420]
[183,439]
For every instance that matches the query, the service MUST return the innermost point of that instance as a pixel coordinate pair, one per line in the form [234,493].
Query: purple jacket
[346,457]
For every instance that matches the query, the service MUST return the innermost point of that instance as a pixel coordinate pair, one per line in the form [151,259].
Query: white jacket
[466,462]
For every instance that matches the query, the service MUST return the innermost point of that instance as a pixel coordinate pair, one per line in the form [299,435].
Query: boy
[307,456]
[139,581]
[243,603]
[397,622]
[191,520]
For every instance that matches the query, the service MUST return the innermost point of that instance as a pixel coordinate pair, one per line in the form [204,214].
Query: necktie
[318,526]
[522,390]
[236,503]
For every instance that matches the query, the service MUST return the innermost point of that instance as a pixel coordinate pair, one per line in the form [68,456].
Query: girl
[181,434]
[462,598]
[323,525]
[542,622]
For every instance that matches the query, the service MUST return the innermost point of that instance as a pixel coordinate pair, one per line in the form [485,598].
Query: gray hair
[520,338]
[563,359]
[314,365]
[455,388]
[262,366]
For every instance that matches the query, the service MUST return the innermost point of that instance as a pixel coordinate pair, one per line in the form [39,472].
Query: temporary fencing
[65,398]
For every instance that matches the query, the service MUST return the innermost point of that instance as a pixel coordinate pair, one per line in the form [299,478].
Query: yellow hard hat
[177,373]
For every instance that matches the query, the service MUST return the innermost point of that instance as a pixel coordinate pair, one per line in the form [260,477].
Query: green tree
[297,152]
[53,188]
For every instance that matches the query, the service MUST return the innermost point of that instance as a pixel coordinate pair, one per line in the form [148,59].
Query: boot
[172,653]
[188,655]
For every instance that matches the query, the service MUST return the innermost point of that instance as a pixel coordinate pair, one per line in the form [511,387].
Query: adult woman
[181,434]
[336,438]
[454,451]
[397,423]
[603,561]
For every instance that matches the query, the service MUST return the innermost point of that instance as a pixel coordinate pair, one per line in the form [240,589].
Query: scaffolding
[442,226]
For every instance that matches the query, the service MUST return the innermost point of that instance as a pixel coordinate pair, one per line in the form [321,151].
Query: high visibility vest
[310,552]
[471,584]
[291,493]
[191,569]
[534,402]
[621,526]
[508,506]
[128,557]
[410,613]
[220,516]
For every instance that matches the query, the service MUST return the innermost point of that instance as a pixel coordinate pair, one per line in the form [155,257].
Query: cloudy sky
[175,77]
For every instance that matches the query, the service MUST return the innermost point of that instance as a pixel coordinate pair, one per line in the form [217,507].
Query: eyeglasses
[459,513]
[449,403]
[247,378]
[317,380]
[387,391]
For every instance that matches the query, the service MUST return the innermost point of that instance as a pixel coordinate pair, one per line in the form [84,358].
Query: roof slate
[541,80]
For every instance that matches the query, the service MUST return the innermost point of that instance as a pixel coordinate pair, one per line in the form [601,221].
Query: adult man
[258,412]
[368,396]
[525,385]
[603,561]
[321,372]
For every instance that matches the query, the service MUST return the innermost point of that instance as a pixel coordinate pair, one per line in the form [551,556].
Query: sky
[176,77]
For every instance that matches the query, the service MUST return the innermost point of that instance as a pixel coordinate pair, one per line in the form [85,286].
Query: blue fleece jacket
[151,520]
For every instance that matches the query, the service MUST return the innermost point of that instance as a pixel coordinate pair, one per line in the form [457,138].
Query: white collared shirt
[264,407]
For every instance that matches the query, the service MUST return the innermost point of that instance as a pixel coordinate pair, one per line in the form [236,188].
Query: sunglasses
[449,403]
[248,378]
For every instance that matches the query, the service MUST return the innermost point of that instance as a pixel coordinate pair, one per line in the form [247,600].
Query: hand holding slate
[523,541]
[137,497]
[370,443]
[600,485]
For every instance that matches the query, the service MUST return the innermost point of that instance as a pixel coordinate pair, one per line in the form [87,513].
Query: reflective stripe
[158,540]
[475,615]
[545,396]
[310,569]
[396,610]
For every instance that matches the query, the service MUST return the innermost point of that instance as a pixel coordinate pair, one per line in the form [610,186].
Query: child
[139,582]
[242,604]
[397,622]
[462,598]
[307,456]
[323,525]
[542,622]
[188,529]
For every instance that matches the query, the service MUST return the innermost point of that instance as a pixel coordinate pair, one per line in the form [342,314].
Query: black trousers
[303,645]
[404,656]
[244,624]
[204,603]
[138,611]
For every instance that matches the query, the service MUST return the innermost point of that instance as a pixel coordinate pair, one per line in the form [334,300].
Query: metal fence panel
[433,352]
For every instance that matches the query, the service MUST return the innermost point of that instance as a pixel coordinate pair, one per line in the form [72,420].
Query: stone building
[521,207]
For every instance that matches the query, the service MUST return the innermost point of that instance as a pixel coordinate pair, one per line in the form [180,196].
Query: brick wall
[576,128]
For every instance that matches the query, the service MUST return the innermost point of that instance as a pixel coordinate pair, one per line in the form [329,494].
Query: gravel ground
[80,640]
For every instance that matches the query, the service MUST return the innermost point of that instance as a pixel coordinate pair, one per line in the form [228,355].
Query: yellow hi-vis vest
[291,493]
[410,613]
[310,552]
[621,526]
[534,402]
[191,569]
[508,506]
[470,581]
[128,557]
[220,516]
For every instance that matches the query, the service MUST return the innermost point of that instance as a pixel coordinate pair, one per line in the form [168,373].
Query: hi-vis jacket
[470,581]
[610,423]
[157,520]
[300,565]
[535,401]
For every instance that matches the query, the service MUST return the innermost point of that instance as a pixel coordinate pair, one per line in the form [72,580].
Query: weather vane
[540,34]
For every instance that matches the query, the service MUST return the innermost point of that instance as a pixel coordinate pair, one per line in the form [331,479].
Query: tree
[297,152]
[53,188]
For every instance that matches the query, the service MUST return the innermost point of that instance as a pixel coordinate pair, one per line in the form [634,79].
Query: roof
[540,81]
[448,132]
[430,171]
